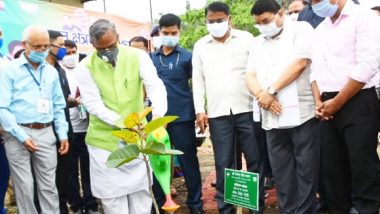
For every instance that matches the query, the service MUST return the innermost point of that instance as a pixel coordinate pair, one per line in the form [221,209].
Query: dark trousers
[226,133]
[4,176]
[79,157]
[261,139]
[63,174]
[294,157]
[182,137]
[350,164]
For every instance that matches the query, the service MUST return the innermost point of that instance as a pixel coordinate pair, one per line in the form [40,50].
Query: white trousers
[135,203]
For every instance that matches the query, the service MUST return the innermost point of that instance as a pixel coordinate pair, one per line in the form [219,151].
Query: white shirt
[79,125]
[131,177]
[269,58]
[219,75]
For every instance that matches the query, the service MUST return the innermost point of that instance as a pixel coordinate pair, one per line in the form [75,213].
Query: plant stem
[150,184]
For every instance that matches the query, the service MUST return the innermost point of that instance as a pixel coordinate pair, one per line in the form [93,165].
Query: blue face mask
[38,57]
[1,42]
[325,9]
[61,53]
[170,41]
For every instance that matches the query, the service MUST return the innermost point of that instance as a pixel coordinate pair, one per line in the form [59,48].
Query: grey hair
[99,28]
[32,29]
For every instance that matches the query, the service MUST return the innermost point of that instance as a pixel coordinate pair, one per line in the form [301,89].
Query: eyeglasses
[216,21]
[57,46]
[38,47]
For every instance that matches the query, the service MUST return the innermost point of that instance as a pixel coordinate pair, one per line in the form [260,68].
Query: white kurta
[131,177]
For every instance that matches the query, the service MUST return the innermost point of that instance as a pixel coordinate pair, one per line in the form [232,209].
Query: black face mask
[108,55]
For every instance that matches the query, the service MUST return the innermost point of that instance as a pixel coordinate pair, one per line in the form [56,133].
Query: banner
[72,22]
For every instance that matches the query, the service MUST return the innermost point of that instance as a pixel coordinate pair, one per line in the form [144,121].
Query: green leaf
[144,113]
[122,156]
[173,152]
[132,120]
[154,149]
[127,135]
[157,123]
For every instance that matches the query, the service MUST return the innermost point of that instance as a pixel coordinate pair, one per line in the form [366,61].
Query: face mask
[71,61]
[108,55]
[157,41]
[294,16]
[61,53]
[170,41]
[269,30]
[325,9]
[38,57]
[1,42]
[218,30]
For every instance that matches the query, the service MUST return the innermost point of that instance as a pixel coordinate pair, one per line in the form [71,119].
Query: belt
[329,95]
[36,125]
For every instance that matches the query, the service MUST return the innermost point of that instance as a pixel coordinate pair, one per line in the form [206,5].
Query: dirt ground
[206,160]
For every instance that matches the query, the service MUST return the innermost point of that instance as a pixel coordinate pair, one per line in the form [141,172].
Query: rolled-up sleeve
[367,48]
[198,81]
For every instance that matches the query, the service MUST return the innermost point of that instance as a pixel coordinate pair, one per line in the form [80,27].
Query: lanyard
[34,78]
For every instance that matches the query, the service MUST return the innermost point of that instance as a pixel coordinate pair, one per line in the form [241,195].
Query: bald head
[34,31]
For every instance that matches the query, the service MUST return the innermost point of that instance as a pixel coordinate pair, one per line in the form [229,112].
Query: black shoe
[269,184]
[213,184]
[197,211]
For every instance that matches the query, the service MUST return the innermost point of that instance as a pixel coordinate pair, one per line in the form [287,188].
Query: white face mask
[294,16]
[157,41]
[71,61]
[218,30]
[270,29]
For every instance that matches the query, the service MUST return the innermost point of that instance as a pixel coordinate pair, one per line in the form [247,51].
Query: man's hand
[275,107]
[331,107]
[30,145]
[202,122]
[318,110]
[265,100]
[64,147]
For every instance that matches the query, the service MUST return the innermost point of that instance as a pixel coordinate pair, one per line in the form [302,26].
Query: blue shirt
[175,70]
[308,15]
[20,93]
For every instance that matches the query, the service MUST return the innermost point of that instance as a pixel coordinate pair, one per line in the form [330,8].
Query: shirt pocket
[239,60]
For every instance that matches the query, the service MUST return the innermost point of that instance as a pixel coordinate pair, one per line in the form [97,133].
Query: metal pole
[104,6]
[151,11]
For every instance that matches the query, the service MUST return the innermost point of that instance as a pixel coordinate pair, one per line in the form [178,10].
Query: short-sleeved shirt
[175,70]
[270,57]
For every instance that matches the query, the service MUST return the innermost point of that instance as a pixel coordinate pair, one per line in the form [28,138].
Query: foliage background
[194,26]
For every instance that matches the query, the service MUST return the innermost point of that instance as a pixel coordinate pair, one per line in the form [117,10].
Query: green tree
[194,26]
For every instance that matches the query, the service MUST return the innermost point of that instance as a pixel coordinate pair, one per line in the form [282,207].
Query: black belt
[36,125]
[329,95]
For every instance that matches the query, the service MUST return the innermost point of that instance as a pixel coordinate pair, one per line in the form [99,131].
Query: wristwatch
[272,91]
